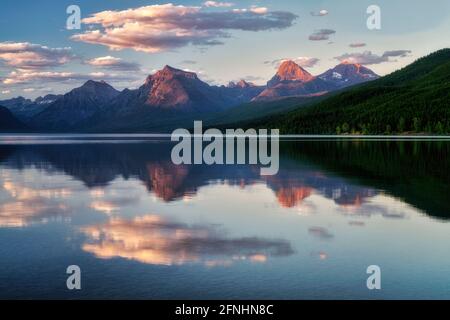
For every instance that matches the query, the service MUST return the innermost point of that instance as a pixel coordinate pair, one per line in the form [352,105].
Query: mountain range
[415,99]
[74,108]
[348,98]
[168,95]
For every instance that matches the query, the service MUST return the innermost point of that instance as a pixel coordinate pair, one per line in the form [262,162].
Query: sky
[122,42]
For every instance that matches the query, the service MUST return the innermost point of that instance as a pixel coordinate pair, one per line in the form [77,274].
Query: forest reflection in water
[129,201]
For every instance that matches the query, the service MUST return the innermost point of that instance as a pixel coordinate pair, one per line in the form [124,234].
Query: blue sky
[39,56]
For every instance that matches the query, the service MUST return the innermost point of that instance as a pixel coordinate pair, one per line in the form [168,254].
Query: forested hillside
[415,99]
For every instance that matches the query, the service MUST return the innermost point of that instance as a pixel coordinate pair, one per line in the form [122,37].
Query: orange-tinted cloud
[155,240]
[29,205]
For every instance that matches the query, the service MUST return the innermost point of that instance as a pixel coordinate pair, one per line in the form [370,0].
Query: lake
[140,227]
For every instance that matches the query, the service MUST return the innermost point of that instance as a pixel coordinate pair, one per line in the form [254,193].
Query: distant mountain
[19,107]
[13,103]
[25,109]
[49,98]
[172,90]
[241,91]
[413,99]
[293,80]
[290,71]
[8,123]
[171,95]
[168,94]
[348,74]
[241,84]
[74,108]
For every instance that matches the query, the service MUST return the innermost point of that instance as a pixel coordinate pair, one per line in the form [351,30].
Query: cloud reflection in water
[152,239]
[26,205]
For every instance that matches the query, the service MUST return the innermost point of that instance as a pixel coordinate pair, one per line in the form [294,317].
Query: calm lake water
[141,227]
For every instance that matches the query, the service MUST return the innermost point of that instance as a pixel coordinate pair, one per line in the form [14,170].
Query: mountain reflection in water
[129,202]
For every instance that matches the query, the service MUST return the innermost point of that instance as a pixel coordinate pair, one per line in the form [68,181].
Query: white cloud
[217,4]
[321,13]
[369,58]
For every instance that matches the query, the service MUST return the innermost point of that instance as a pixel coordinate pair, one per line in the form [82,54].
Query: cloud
[357,45]
[21,77]
[259,10]
[254,9]
[188,62]
[156,240]
[321,13]
[157,28]
[369,58]
[305,62]
[356,223]
[322,34]
[113,63]
[24,205]
[320,233]
[29,90]
[217,4]
[6,91]
[252,78]
[113,205]
[26,55]
[397,53]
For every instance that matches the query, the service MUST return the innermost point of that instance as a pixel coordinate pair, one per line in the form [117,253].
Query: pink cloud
[158,28]
[23,76]
[26,55]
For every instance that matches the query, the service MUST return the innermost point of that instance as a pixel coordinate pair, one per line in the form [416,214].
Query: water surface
[141,227]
